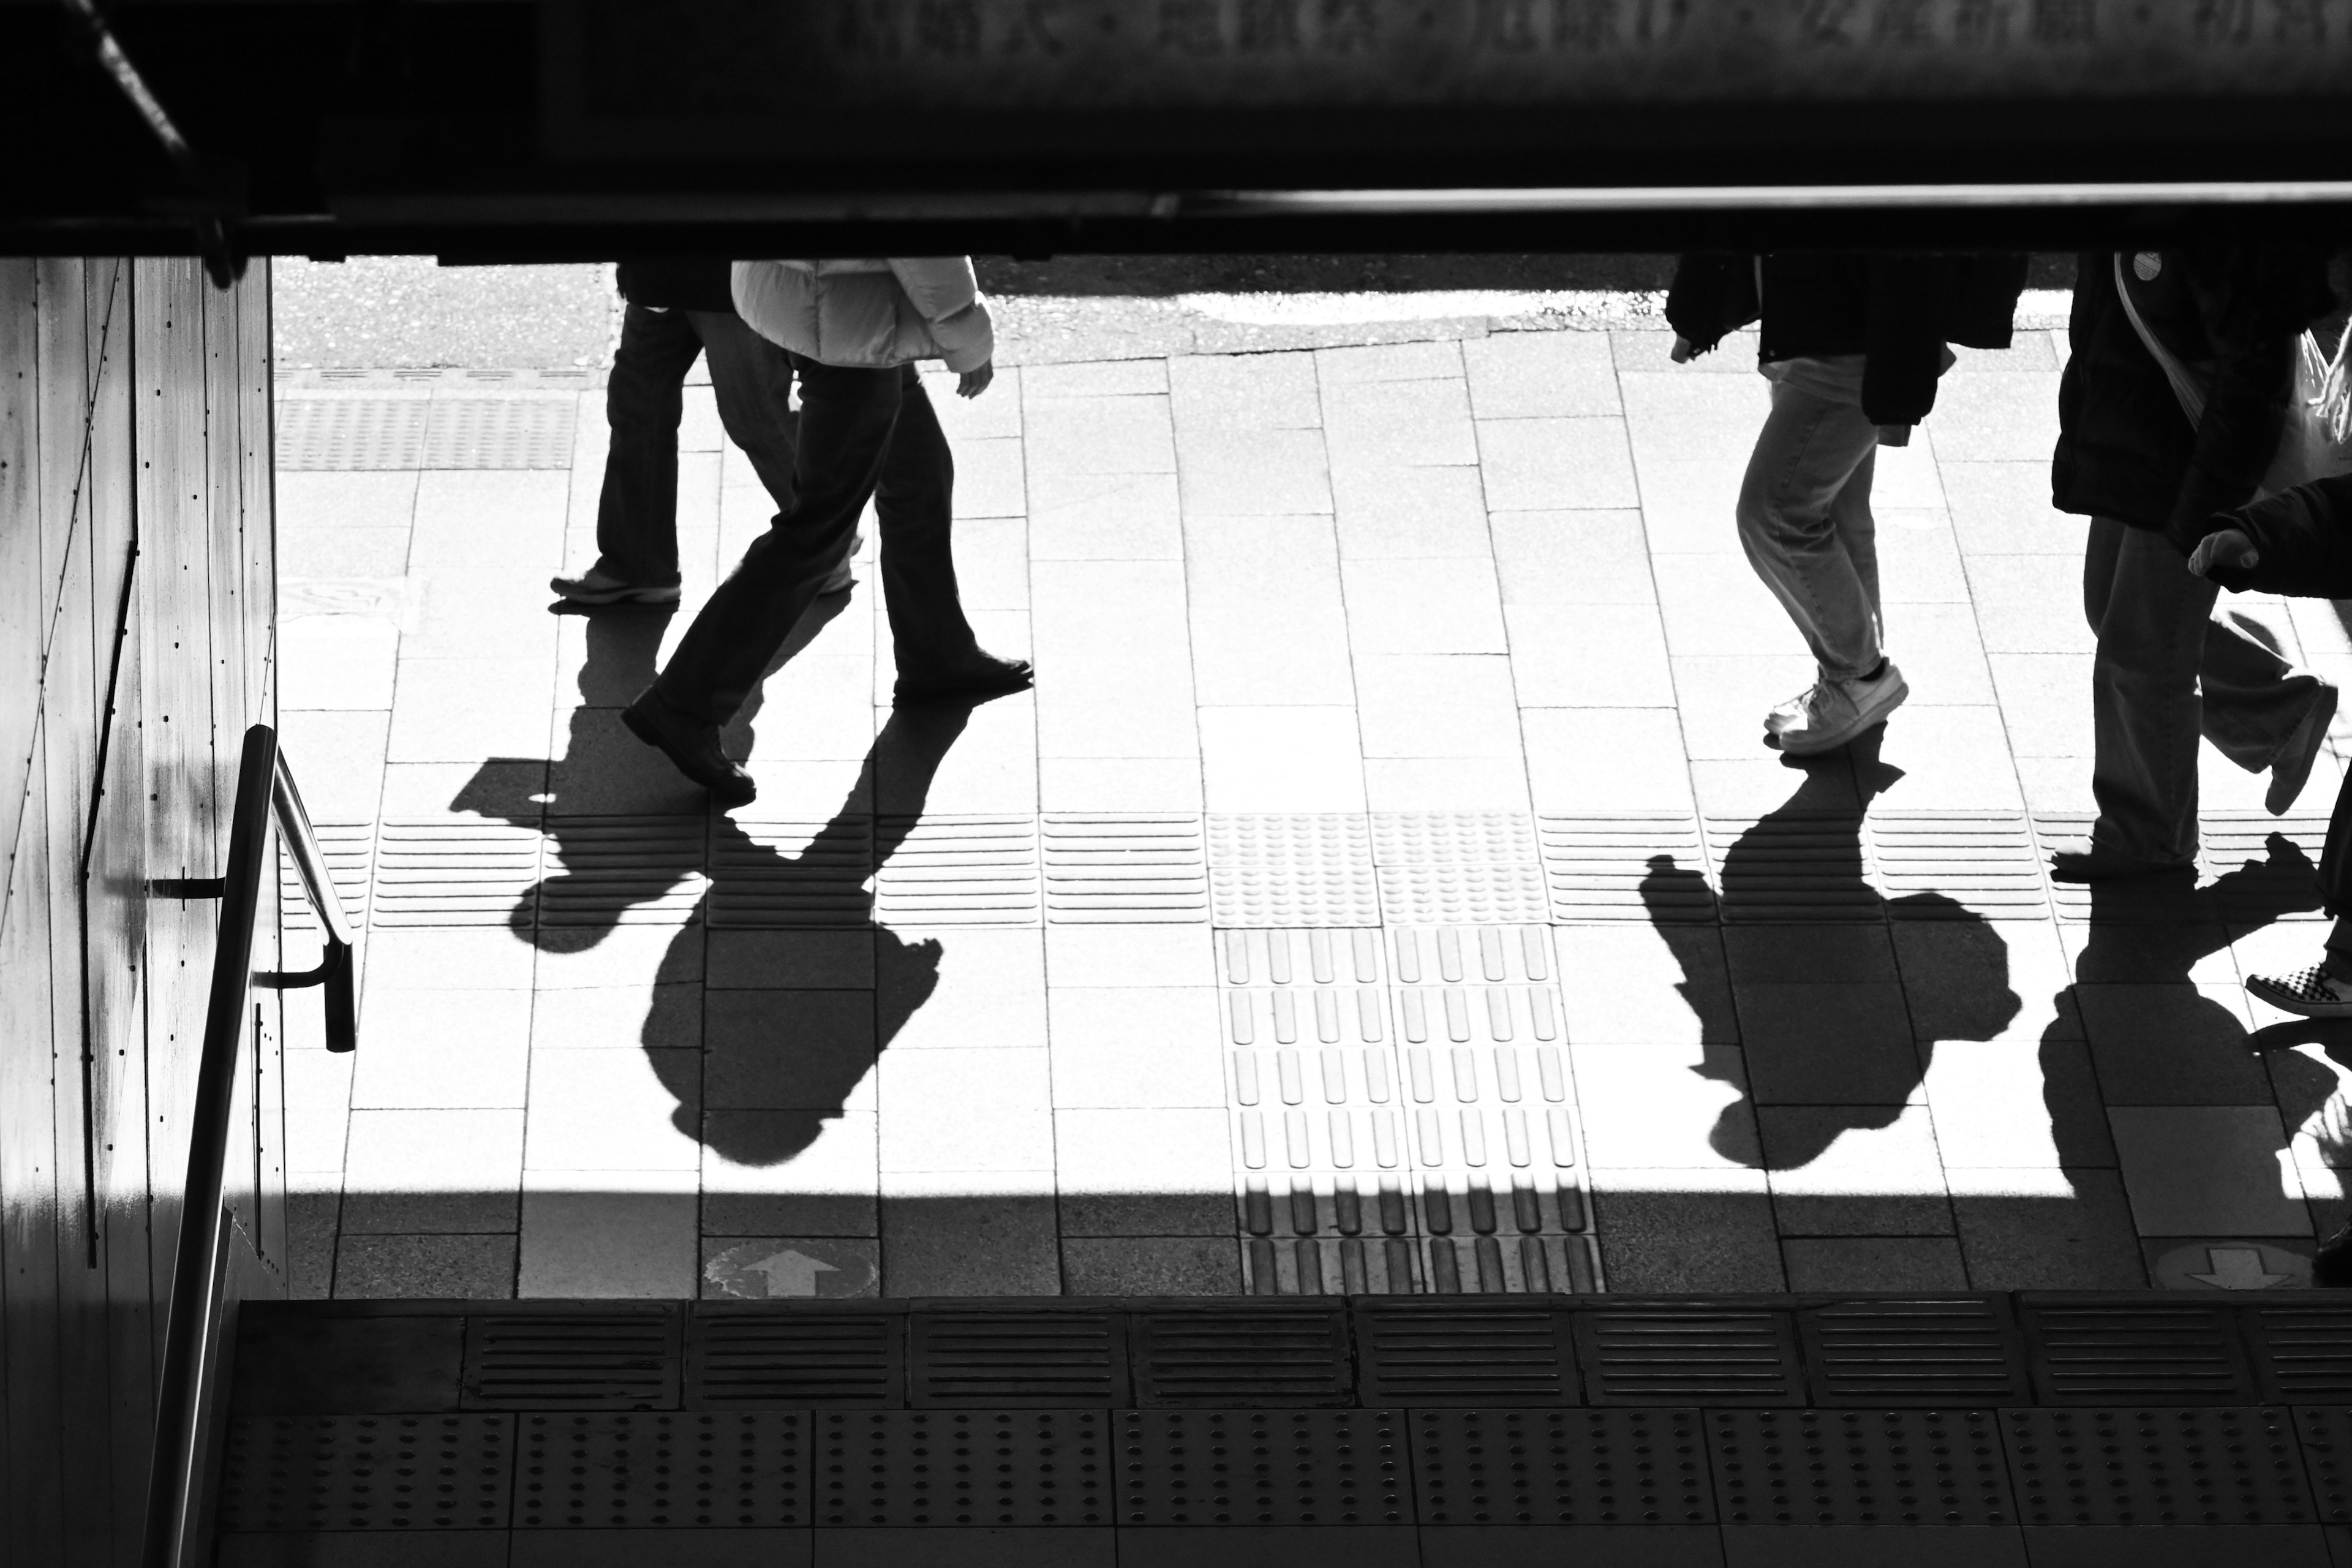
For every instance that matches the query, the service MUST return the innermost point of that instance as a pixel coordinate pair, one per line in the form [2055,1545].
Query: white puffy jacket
[869,314]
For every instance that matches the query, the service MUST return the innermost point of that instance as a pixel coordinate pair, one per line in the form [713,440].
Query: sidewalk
[1385,887]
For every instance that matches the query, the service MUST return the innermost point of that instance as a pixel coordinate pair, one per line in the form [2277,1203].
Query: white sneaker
[2308,993]
[1835,711]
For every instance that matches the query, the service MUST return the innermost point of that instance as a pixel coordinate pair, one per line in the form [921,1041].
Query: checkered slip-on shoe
[2307,992]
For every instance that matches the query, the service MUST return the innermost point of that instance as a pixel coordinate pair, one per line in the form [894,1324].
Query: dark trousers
[751,379]
[864,434]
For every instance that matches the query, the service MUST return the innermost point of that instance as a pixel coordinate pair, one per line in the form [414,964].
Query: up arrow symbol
[2234,1268]
[795,1274]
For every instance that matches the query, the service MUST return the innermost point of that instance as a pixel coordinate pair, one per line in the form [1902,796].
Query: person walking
[2170,410]
[679,308]
[854,329]
[1852,344]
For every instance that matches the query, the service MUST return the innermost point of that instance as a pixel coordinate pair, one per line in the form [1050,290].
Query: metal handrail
[184,1403]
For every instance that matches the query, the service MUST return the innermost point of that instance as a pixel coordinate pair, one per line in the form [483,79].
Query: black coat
[1898,309]
[2305,538]
[2125,448]
[677,283]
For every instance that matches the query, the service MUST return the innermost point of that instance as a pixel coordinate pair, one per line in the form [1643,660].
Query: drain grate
[2154,1466]
[587,1360]
[1696,1353]
[815,1359]
[1420,1354]
[444,871]
[1125,868]
[1649,869]
[742,1470]
[2114,1353]
[1068,1356]
[1266,1356]
[1561,1467]
[368,1472]
[1292,871]
[957,870]
[1858,1466]
[780,874]
[1002,1467]
[1263,1468]
[1936,867]
[1964,1350]
[622,871]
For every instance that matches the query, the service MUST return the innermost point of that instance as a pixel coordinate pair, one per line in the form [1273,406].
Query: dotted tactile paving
[958,871]
[447,871]
[1263,1468]
[2325,1431]
[771,875]
[2210,1465]
[1002,1467]
[1125,868]
[1649,869]
[622,871]
[368,1472]
[1500,894]
[350,851]
[736,1470]
[1452,838]
[1304,870]
[1561,1467]
[1951,867]
[500,432]
[1859,1467]
[1791,869]
[317,434]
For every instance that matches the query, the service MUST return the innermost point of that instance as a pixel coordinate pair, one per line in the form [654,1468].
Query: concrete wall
[137,599]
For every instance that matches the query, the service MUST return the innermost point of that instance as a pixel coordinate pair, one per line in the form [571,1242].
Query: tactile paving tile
[740,1470]
[500,432]
[1329,1234]
[368,1472]
[2154,1466]
[317,434]
[1677,1351]
[771,875]
[1433,1354]
[1859,1467]
[1066,1355]
[958,871]
[622,871]
[1649,868]
[1304,870]
[1282,1356]
[1263,1468]
[2154,1351]
[2252,885]
[1500,894]
[2303,1354]
[2325,1431]
[1952,866]
[1127,869]
[1923,1351]
[1791,869]
[902,1467]
[597,1359]
[350,851]
[1452,838]
[824,1359]
[1480,954]
[2133,901]
[1561,1467]
[448,871]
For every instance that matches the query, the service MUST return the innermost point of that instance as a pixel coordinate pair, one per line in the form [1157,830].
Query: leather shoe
[2087,860]
[992,677]
[693,745]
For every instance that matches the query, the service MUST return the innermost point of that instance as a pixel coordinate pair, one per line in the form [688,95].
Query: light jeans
[2165,672]
[1804,510]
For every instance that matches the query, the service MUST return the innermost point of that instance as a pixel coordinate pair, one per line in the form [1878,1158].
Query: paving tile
[443,1050]
[1162,1172]
[385,499]
[1095,608]
[992,556]
[1150,1265]
[958,1234]
[1282,759]
[772,1268]
[1714,604]
[2002,417]
[1943,661]
[487,517]
[1690,504]
[2018,1102]
[441,1171]
[2171,1044]
[617,957]
[2003,508]
[608,771]
[1645,984]
[425,1267]
[1924,1264]
[1681,412]
[1111,435]
[784,1171]
[1094,378]
[1394,513]
[318,1112]
[1853,1170]
[2020,610]
[1246,391]
[1445,785]
[1919,559]
[337,661]
[945,761]
[2045,702]
[425,959]
[1951,759]
[1809,953]
[2192,951]
[1556,558]
[1597,761]
[1136,1047]
[1113,707]
[1104,517]
[1152,956]
[1267,619]
[989,479]
[1547,465]
[608,1234]
[1422,607]
[2045,1230]
[2200,1170]
[1985,980]
[957,988]
[790,1050]
[338,759]
[792,960]
[1601,656]
[982,1110]
[1520,375]
[1425,705]
[1674,1232]
[1254,473]
[462,709]
[1846,1044]
[613,1110]
[1665,1106]
[1905,478]
[477,612]
[1744,789]
[667,1017]
[1119,783]
[1724,698]
[1399,423]
[1388,362]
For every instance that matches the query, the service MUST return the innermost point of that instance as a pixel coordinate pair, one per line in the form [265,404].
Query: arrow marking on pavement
[795,1274]
[2234,1268]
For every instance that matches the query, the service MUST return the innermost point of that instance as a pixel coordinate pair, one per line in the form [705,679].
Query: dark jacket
[677,283]
[2125,448]
[1900,309]
[2304,536]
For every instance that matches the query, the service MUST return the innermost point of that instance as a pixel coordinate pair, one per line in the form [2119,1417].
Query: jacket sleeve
[1905,338]
[1712,294]
[945,294]
[2253,304]
[2305,538]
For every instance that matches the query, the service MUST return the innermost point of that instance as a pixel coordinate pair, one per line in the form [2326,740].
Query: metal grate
[1430,1354]
[1263,1468]
[777,875]
[1292,871]
[1258,1356]
[1125,868]
[1037,1356]
[2154,1466]
[446,871]
[1943,866]
[593,1360]
[2153,1352]
[1859,1467]
[769,1359]
[2303,1354]
[368,1472]
[622,871]
[1784,869]
[1561,1467]
[958,871]
[1926,1352]
[741,1469]
[1002,1468]
[1689,1352]
[1649,869]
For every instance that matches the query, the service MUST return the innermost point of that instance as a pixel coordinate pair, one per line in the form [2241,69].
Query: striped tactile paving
[1125,868]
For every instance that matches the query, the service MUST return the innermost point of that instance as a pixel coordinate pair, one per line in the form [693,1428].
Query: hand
[2225,547]
[1681,353]
[972,383]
